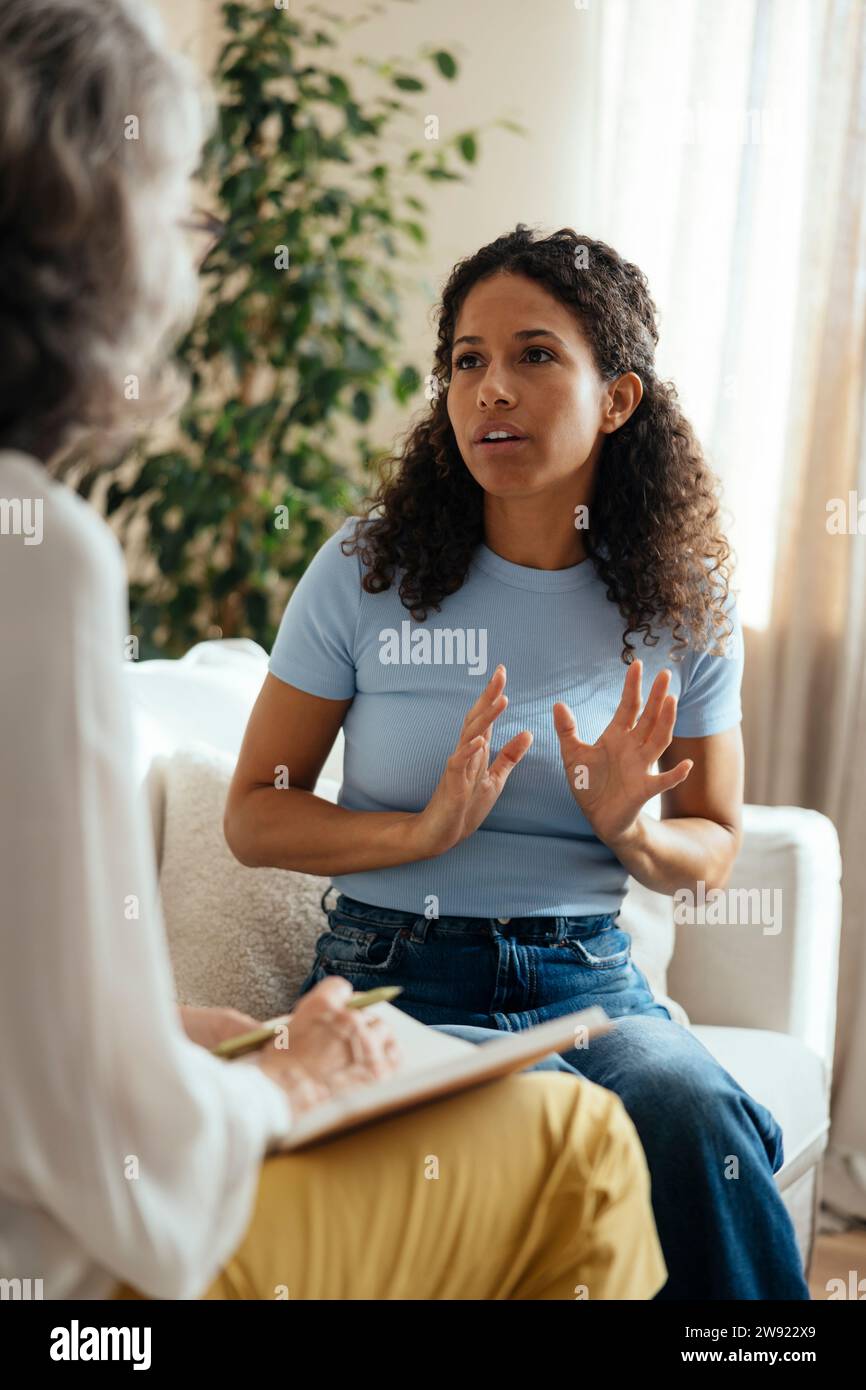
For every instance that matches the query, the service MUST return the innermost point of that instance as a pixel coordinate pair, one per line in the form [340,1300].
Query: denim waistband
[544,928]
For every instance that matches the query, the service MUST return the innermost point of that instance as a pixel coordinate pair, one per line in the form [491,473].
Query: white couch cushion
[207,695]
[740,972]
[784,1075]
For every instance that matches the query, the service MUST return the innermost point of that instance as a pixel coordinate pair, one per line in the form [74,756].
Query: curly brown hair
[653,532]
[101,126]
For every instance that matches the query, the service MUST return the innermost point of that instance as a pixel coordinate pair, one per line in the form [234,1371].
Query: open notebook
[435,1065]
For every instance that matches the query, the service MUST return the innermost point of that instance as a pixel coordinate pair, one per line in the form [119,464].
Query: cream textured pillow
[247,937]
[237,936]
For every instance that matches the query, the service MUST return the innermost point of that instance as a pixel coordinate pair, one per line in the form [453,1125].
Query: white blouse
[127,1152]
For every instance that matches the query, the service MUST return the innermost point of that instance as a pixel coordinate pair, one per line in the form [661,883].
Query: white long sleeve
[127,1152]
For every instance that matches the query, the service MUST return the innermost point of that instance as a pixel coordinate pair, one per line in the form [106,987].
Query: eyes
[463,356]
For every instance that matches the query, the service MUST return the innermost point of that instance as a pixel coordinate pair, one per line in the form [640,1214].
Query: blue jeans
[710,1147]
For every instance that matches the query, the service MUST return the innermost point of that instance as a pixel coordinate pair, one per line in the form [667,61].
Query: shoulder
[722,639]
[352,529]
[331,564]
[71,549]
[710,699]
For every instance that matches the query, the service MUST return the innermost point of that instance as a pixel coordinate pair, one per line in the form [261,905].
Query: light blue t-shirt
[412,684]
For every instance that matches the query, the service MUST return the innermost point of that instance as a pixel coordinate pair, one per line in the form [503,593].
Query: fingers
[364,1036]
[572,749]
[565,725]
[508,758]
[628,708]
[666,780]
[564,721]
[368,1039]
[304,1089]
[660,732]
[465,757]
[330,993]
[473,747]
[489,705]
[653,705]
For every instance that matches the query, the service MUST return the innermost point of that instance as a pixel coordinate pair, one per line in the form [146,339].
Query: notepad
[435,1065]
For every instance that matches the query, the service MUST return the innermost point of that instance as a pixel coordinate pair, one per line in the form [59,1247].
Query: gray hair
[101,128]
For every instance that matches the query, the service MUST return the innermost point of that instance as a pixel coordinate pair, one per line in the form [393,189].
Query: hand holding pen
[272,1029]
[336,1044]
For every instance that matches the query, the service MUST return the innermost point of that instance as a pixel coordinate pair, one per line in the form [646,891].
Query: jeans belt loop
[420,927]
[324,895]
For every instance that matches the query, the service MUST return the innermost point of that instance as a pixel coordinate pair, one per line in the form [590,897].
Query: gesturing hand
[610,779]
[469,789]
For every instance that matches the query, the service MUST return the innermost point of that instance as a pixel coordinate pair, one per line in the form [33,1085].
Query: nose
[493,389]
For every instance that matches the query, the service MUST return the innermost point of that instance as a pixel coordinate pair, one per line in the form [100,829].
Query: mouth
[500,444]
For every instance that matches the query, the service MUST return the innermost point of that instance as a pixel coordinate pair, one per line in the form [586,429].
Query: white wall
[528,62]
[193,26]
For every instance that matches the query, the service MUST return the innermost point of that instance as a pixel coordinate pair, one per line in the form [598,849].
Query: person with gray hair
[133,1162]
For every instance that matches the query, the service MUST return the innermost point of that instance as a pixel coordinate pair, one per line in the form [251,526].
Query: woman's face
[543,384]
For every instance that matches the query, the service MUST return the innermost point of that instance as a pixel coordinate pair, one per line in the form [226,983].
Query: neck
[536,534]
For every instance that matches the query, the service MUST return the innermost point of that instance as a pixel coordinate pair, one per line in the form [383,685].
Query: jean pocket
[347,947]
[606,949]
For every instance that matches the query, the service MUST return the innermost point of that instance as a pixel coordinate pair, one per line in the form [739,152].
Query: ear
[624,397]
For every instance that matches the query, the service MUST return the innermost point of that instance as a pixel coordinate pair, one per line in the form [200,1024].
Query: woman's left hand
[207,1027]
[610,779]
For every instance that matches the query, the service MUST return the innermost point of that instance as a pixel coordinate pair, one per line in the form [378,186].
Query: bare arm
[700,781]
[289,827]
[700,832]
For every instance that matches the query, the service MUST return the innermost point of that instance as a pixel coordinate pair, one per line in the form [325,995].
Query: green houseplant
[294,339]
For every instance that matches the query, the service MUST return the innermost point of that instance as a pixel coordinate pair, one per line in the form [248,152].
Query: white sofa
[764,1004]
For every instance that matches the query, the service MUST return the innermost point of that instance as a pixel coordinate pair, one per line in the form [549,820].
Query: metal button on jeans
[503,920]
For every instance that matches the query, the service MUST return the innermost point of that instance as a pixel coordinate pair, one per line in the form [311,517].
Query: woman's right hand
[331,1048]
[469,789]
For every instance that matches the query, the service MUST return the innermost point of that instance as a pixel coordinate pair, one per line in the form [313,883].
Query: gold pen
[256,1037]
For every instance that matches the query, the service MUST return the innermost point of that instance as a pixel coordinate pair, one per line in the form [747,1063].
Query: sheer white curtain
[728,159]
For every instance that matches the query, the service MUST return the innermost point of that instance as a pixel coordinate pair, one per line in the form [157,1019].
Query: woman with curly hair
[552,504]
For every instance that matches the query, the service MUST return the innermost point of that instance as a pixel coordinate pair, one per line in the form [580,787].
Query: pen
[248,1042]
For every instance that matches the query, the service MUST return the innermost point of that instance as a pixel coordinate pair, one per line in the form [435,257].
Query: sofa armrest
[772,959]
